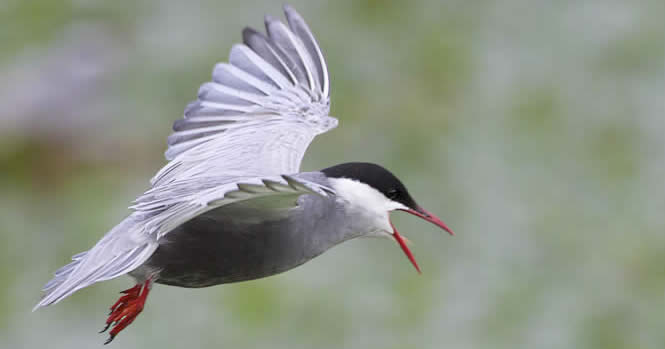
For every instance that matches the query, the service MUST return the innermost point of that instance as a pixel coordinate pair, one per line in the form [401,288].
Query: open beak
[402,243]
[424,214]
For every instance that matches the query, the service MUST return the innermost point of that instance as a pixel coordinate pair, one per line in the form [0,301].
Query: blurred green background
[534,129]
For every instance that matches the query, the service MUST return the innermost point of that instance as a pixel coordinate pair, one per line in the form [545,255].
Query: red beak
[405,248]
[424,214]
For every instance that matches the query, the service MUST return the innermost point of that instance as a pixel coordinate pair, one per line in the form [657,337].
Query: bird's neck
[363,210]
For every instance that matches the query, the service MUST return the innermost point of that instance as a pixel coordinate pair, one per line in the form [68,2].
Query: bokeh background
[535,129]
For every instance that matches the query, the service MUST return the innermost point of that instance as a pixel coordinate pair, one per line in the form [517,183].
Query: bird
[231,204]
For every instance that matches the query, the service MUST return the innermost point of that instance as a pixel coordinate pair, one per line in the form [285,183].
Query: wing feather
[261,46]
[248,127]
[300,28]
[244,58]
[293,47]
[279,78]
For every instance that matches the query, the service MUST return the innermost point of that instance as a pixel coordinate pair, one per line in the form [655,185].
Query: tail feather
[61,275]
[55,290]
[120,251]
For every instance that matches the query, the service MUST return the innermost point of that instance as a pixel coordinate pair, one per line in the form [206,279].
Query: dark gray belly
[224,246]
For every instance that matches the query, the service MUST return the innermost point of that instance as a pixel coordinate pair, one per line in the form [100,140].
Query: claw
[134,289]
[109,340]
[105,328]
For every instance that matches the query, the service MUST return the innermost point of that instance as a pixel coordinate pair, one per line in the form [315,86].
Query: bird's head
[371,192]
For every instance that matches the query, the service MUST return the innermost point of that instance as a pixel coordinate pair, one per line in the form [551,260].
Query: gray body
[237,243]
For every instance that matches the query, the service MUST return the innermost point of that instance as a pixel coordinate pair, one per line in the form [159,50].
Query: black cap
[376,177]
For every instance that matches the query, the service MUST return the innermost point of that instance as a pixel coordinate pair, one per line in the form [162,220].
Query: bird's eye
[392,194]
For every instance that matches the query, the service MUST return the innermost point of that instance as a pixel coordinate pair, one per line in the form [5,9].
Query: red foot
[126,309]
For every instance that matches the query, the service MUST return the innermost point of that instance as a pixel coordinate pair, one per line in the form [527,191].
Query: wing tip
[289,10]
[291,14]
[37,306]
[50,297]
[45,301]
[248,33]
[268,19]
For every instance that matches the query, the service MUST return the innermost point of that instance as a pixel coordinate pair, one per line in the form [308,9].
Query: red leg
[126,309]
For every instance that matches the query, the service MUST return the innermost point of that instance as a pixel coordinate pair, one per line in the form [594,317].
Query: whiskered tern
[231,204]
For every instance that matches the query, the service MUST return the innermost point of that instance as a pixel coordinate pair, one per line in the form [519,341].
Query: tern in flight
[231,204]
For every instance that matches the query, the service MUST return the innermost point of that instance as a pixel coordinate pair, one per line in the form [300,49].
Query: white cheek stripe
[360,194]
[369,206]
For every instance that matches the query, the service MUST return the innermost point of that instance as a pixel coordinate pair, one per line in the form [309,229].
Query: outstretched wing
[132,242]
[251,124]
[261,110]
